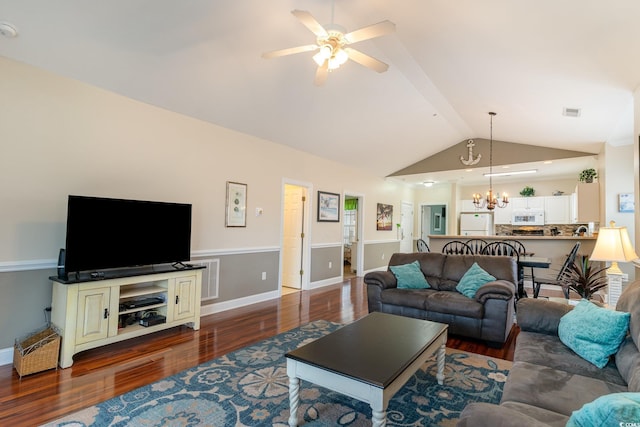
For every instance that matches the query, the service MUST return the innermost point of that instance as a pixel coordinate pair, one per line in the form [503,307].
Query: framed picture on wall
[328,207]
[384,217]
[625,202]
[236,205]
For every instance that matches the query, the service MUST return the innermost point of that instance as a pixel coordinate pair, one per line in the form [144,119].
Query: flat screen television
[104,233]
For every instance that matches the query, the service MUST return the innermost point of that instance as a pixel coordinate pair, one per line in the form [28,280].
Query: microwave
[528,217]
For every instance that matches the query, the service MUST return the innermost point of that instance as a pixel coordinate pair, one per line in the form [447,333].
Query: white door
[406,228]
[292,261]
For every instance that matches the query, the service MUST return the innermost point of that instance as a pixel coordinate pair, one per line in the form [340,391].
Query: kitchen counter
[492,238]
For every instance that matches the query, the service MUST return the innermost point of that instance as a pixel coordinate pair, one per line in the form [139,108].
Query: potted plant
[527,191]
[583,279]
[588,175]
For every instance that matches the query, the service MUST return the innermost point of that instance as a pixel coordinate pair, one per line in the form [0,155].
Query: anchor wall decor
[470,161]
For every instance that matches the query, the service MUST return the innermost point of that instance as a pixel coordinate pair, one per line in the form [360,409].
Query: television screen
[105,233]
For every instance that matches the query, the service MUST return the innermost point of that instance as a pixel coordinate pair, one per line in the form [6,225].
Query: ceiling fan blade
[371,31]
[310,22]
[366,60]
[321,74]
[290,51]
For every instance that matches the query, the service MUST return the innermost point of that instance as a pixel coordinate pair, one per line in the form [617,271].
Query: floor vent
[210,277]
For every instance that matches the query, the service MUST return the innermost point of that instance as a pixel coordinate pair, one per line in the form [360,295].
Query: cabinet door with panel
[524,203]
[184,297]
[93,314]
[557,210]
[503,215]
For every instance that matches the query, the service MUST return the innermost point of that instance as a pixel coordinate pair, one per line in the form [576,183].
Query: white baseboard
[206,310]
[6,356]
[326,282]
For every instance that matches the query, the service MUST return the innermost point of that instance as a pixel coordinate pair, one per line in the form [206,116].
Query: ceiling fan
[332,45]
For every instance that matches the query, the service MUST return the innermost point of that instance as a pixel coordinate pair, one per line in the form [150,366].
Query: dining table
[528,261]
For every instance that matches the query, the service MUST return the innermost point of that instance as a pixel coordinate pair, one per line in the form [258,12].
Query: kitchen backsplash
[562,229]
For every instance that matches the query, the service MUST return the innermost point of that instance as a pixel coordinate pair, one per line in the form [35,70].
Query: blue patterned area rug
[249,387]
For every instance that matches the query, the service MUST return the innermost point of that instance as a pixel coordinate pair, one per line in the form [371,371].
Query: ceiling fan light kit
[332,45]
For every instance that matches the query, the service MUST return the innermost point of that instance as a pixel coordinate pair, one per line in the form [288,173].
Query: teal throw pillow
[616,409]
[593,332]
[472,280]
[409,276]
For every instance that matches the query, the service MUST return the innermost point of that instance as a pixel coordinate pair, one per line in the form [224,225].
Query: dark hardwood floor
[105,372]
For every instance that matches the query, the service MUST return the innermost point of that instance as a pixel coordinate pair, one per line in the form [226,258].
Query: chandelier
[491,201]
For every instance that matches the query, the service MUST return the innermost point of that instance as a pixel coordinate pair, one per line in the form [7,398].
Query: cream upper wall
[62,137]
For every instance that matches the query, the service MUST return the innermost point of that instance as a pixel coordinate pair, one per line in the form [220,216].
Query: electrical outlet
[330,264]
[264,275]
[382,256]
[625,277]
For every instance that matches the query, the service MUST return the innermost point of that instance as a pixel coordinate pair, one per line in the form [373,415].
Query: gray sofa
[488,316]
[549,381]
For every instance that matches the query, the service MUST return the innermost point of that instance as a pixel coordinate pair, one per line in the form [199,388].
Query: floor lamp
[613,245]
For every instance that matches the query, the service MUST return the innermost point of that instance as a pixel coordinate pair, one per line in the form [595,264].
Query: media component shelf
[94,313]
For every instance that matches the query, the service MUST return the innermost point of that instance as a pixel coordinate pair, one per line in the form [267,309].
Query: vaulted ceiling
[450,63]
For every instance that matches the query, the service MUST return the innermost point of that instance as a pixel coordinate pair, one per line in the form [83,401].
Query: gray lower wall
[320,259]
[25,294]
[241,275]
[376,255]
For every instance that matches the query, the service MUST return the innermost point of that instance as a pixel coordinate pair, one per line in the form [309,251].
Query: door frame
[421,225]
[306,242]
[360,232]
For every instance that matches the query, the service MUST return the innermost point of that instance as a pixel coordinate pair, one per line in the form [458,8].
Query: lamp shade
[613,244]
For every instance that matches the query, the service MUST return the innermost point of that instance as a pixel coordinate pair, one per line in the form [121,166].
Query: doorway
[294,242]
[433,220]
[352,235]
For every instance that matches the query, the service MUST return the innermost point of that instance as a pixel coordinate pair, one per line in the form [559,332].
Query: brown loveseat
[487,316]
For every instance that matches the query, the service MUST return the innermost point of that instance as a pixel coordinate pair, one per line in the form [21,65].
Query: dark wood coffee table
[370,360]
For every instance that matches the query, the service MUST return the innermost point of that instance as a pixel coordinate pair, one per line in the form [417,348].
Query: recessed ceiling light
[548,162]
[571,112]
[511,173]
[428,183]
[468,170]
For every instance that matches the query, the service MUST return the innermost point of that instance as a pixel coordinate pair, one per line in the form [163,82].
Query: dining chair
[477,245]
[506,249]
[557,280]
[522,251]
[501,248]
[422,246]
[456,247]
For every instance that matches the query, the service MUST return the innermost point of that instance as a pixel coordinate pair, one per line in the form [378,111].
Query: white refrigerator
[476,224]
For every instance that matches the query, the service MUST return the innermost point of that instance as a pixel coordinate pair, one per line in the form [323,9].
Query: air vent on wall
[571,112]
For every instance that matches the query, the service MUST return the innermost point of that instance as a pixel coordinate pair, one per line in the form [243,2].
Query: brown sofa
[488,316]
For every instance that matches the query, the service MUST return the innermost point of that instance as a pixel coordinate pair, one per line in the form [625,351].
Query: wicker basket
[37,352]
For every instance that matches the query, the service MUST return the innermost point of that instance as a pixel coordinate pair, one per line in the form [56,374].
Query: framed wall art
[328,207]
[626,202]
[236,206]
[384,217]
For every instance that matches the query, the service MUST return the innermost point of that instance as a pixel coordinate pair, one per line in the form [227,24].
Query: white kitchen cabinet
[525,203]
[91,313]
[502,216]
[468,206]
[557,209]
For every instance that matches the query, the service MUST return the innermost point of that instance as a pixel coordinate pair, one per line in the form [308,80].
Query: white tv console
[91,313]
